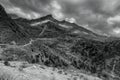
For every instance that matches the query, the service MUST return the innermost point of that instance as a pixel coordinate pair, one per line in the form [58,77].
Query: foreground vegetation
[92,56]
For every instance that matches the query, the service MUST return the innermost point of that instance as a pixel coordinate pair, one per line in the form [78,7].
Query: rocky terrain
[55,44]
[25,71]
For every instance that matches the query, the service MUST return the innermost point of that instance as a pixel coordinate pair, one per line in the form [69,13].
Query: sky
[100,16]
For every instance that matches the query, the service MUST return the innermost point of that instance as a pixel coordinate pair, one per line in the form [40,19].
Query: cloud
[115,32]
[56,10]
[43,7]
[113,20]
[21,13]
[94,13]
[71,20]
[34,5]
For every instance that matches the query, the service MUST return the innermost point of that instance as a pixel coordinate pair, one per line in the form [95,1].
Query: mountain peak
[49,16]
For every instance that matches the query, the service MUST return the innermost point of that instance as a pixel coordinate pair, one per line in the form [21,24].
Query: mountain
[46,26]
[69,28]
[58,44]
[67,25]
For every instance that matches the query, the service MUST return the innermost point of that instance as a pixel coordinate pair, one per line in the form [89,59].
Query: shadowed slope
[4,18]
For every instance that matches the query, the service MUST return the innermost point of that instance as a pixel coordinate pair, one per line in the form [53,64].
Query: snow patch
[39,23]
[65,26]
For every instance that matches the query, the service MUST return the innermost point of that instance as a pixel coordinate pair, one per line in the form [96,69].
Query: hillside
[38,72]
[59,44]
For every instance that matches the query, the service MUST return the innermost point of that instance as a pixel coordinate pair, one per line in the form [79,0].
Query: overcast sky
[101,16]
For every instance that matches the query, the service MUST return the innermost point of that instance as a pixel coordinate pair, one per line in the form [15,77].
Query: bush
[15,54]
[6,63]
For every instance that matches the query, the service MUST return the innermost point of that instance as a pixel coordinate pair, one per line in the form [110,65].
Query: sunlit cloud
[71,20]
[115,32]
[21,13]
[56,10]
[113,20]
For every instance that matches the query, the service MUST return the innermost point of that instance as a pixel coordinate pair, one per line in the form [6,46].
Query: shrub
[6,63]
[15,54]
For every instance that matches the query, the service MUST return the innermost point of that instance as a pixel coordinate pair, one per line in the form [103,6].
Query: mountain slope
[66,25]
[6,21]
[59,44]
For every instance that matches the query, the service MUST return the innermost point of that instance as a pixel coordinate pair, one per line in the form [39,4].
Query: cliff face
[3,14]
[9,23]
